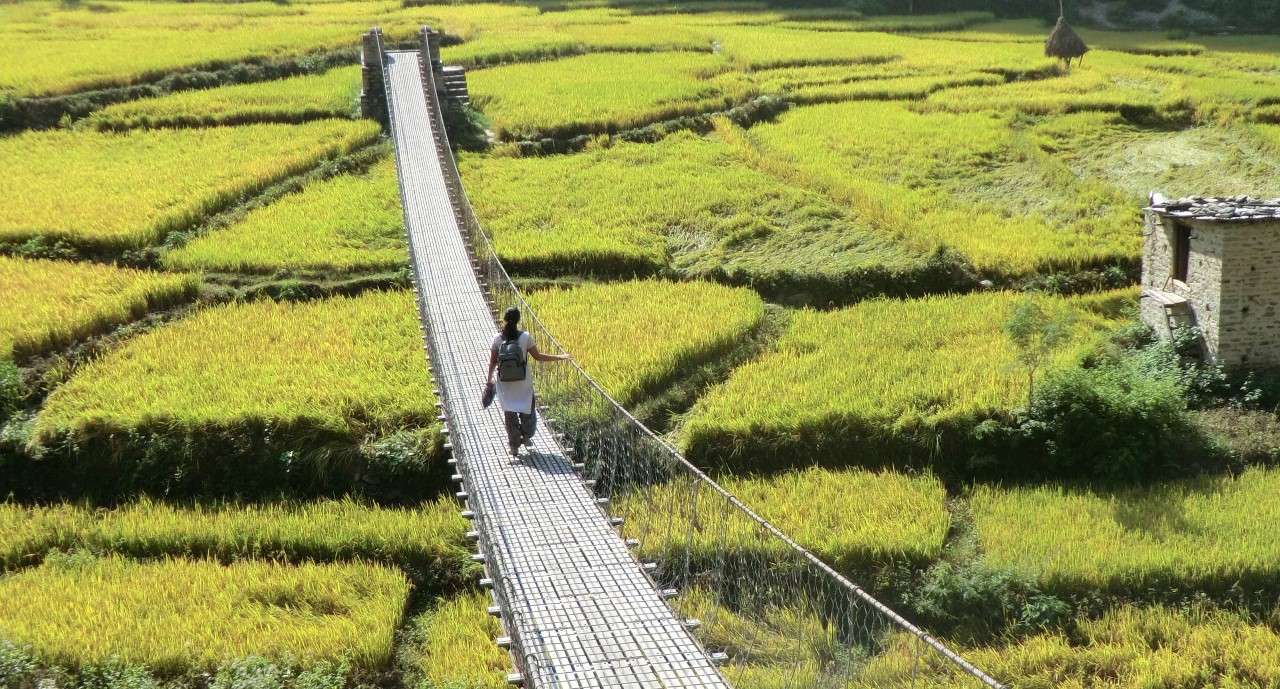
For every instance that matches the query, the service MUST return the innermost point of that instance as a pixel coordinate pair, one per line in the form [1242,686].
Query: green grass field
[104,191]
[346,365]
[175,615]
[452,645]
[1211,533]
[348,223]
[689,206]
[429,538]
[633,337]
[52,303]
[604,93]
[878,383]
[298,99]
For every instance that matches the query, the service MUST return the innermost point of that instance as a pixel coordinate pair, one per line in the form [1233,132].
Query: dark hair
[510,323]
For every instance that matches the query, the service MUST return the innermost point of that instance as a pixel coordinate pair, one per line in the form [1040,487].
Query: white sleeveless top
[516,395]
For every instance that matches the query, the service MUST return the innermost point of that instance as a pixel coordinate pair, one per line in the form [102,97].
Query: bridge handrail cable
[495,277]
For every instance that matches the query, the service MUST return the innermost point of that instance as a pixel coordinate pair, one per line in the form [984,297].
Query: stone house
[1215,263]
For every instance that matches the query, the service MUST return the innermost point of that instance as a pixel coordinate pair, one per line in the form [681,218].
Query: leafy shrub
[16,664]
[10,388]
[1120,419]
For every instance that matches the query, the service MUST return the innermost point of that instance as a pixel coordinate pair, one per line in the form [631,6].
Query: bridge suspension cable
[769,612]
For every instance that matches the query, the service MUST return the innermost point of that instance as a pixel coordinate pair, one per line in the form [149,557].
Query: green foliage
[11,388]
[1119,420]
[1036,334]
[451,646]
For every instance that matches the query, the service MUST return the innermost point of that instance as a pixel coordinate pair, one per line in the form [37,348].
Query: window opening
[1181,252]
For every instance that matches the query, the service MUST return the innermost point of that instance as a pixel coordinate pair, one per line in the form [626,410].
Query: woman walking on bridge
[509,357]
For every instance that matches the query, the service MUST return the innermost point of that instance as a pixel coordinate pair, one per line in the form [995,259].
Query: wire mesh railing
[776,615]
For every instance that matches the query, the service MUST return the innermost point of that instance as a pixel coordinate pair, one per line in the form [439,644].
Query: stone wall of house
[1202,288]
[1249,327]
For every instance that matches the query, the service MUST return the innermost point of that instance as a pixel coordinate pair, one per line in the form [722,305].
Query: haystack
[1064,43]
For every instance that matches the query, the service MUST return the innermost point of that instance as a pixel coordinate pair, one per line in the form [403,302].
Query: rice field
[1129,646]
[634,337]
[878,383]
[695,207]
[111,191]
[332,94]
[452,645]
[430,537]
[175,615]
[974,186]
[52,303]
[55,48]
[348,365]
[854,520]
[348,223]
[1210,533]
[604,93]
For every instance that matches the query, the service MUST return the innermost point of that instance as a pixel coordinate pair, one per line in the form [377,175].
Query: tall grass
[1211,533]
[51,303]
[297,99]
[1129,646]
[347,223]
[688,205]
[878,383]
[54,48]
[349,365]
[604,93]
[125,191]
[963,189]
[428,538]
[176,614]
[633,337]
[452,645]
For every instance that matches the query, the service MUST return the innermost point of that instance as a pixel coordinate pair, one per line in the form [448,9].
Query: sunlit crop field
[688,204]
[604,93]
[174,615]
[348,223]
[1213,533]
[347,365]
[51,303]
[847,385]
[852,519]
[429,537]
[452,645]
[298,99]
[102,190]
[634,336]
[973,186]
[1129,646]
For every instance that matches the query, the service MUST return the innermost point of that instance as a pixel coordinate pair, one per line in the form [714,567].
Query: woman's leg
[528,424]
[511,420]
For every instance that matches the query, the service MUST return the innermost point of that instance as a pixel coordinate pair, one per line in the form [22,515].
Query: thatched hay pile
[1064,43]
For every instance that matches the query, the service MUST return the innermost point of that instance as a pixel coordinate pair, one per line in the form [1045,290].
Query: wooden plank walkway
[578,605]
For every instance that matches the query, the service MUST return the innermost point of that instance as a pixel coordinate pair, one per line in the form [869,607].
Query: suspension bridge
[612,561]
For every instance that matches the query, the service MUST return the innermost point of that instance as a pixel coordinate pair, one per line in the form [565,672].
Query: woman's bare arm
[493,363]
[539,356]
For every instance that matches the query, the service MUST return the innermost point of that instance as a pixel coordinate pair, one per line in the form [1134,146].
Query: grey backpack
[511,360]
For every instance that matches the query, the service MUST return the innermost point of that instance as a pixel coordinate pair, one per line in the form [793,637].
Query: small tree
[1036,334]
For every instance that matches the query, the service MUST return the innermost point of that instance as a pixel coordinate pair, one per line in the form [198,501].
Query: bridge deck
[583,610]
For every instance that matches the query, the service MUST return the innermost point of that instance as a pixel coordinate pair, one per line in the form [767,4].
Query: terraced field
[792,238]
